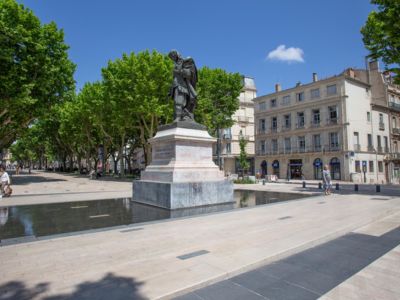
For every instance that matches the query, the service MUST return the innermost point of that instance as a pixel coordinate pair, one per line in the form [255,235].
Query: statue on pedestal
[183,89]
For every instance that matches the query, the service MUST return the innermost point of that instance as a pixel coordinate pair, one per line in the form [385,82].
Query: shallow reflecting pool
[49,219]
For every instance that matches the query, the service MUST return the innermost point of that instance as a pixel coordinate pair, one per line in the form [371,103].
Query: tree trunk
[147,153]
[121,155]
[115,160]
[71,163]
[128,161]
[105,154]
[79,163]
[64,163]
[40,161]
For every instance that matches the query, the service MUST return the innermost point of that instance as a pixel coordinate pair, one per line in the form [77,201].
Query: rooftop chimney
[278,87]
[350,72]
[298,83]
[374,65]
[314,77]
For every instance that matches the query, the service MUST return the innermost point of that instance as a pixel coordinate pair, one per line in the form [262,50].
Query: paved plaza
[344,246]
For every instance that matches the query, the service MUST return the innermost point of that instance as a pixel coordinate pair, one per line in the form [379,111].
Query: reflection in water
[49,219]
[25,219]
[244,198]
[3,215]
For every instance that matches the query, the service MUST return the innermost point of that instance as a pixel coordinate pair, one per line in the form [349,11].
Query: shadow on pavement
[14,290]
[305,275]
[109,287]
[87,176]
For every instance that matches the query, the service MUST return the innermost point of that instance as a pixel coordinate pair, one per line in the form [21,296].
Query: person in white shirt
[5,180]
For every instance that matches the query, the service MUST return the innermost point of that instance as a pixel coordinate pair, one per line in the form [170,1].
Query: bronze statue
[183,89]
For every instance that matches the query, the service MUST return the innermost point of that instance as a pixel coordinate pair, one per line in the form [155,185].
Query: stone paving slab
[47,187]
[146,264]
[348,272]
[142,264]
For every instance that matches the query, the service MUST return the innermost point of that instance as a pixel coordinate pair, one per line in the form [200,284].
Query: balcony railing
[274,129]
[396,130]
[286,127]
[315,123]
[357,147]
[394,105]
[243,119]
[294,150]
[386,149]
[332,121]
[371,148]
[379,149]
[300,125]
[332,148]
[381,126]
[395,156]
[317,148]
[262,130]
[261,152]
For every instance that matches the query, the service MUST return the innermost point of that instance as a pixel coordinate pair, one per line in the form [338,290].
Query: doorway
[335,168]
[295,168]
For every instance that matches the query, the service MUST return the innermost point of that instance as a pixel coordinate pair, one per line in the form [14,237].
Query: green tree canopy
[218,98]
[35,69]
[136,88]
[244,163]
[381,33]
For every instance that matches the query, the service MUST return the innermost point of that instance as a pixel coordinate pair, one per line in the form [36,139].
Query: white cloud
[286,54]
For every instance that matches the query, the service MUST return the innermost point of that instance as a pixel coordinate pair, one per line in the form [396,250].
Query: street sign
[317,164]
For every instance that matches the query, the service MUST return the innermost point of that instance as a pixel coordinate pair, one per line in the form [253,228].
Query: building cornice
[301,87]
[303,105]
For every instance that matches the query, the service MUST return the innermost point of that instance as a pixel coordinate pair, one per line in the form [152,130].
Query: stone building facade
[244,125]
[330,121]
[386,98]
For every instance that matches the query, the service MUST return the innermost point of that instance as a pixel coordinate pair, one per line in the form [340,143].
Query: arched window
[263,168]
[275,168]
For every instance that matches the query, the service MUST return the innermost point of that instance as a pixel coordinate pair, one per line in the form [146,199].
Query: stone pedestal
[182,173]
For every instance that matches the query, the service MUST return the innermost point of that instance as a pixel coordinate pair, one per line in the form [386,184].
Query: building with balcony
[244,126]
[386,98]
[330,121]
[5,157]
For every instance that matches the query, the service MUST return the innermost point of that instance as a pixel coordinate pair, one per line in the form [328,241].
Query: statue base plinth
[182,173]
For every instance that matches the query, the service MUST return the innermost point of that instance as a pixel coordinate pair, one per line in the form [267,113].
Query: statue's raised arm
[183,89]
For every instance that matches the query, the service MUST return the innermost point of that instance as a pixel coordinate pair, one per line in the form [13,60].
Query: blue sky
[230,34]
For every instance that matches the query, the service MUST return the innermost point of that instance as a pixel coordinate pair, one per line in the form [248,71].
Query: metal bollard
[378,188]
[337,186]
[263,181]
[304,184]
[356,187]
[320,185]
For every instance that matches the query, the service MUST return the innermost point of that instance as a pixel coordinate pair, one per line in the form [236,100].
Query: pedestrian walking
[326,178]
[5,182]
